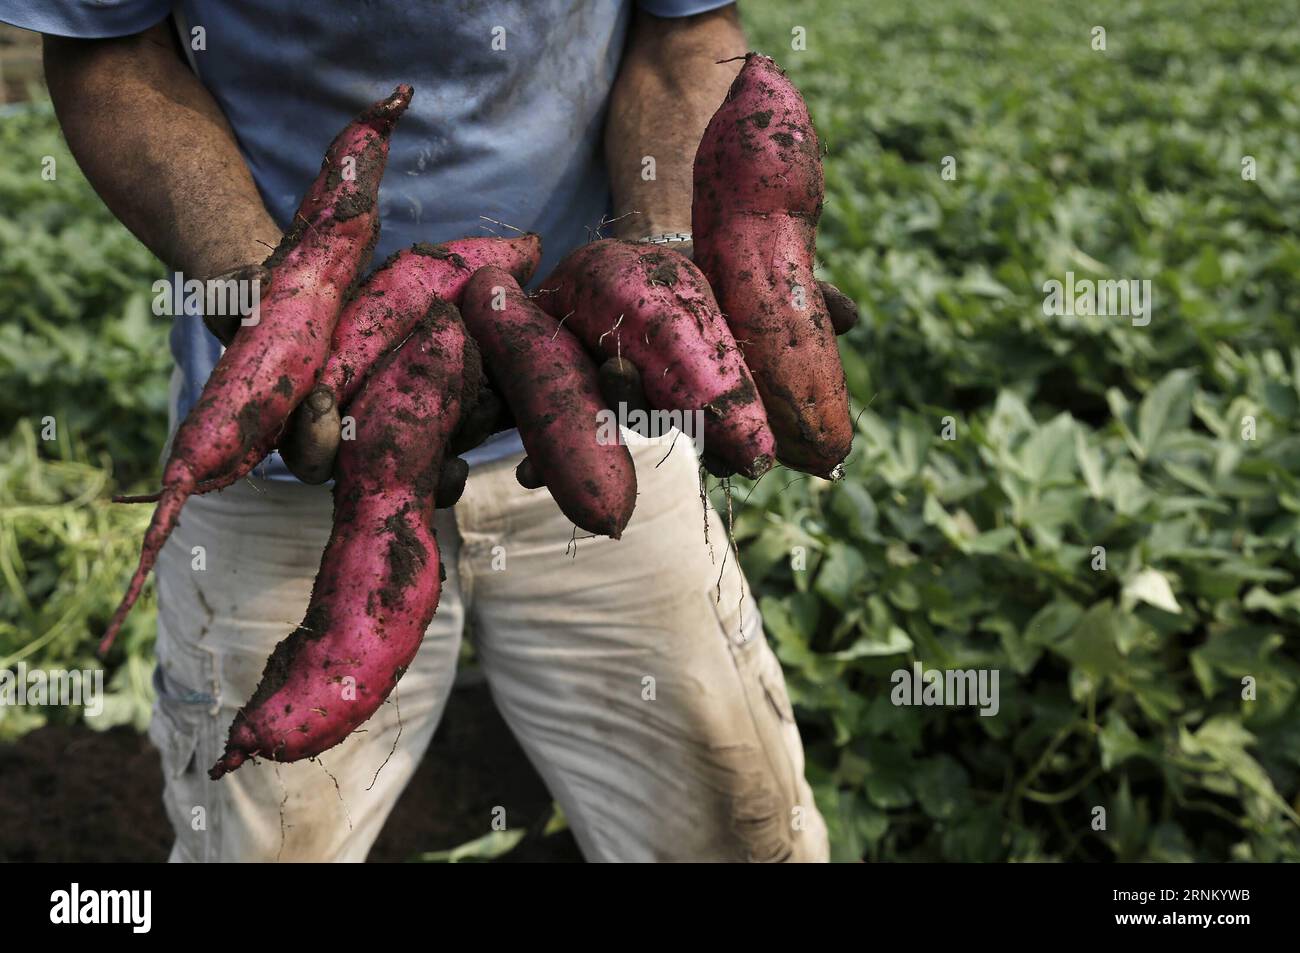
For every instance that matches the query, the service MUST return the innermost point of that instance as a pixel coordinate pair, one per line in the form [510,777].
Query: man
[635,672]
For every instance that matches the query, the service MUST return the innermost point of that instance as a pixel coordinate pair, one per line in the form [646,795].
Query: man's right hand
[224,326]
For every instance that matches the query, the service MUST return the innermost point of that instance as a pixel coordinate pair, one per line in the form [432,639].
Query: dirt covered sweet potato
[652,306]
[550,384]
[272,364]
[757,199]
[380,577]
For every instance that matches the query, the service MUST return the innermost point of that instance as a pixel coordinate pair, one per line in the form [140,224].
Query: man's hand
[201,213]
[670,83]
[313,436]
[842,309]
[622,389]
[224,326]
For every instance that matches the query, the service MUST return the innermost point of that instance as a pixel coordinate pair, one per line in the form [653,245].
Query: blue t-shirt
[506,122]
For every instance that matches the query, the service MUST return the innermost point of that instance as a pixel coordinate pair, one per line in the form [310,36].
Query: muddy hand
[842,309]
[487,417]
[620,386]
[310,440]
[451,483]
[224,327]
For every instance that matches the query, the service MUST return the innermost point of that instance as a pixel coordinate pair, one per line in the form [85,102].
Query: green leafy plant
[83,386]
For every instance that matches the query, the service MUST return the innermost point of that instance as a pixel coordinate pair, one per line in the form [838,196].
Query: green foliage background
[78,344]
[1120,688]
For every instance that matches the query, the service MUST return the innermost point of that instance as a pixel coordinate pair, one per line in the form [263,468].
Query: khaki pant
[650,704]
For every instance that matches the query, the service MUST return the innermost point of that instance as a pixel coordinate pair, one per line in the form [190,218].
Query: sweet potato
[757,198]
[380,575]
[270,366]
[382,313]
[550,384]
[385,308]
[394,298]
[652,306]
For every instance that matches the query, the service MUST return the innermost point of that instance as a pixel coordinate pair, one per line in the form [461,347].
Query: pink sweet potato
[550,384]
[758,196]
[271,365]
[380,575]
[398,293]
[385,308]
[652,306]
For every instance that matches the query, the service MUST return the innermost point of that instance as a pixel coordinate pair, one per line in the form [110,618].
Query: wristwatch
[672,238]
[667,238]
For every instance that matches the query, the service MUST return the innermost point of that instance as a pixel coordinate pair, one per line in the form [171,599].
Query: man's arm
[669,85]
[158,150]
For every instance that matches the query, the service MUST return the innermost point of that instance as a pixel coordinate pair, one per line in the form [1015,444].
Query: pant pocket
[181,720]
[803,834]
[764,790]
[177,723]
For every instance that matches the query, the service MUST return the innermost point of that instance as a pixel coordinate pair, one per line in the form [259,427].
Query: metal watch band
[667,238]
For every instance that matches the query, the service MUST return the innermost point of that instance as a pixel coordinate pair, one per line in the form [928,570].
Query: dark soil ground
[72,794]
